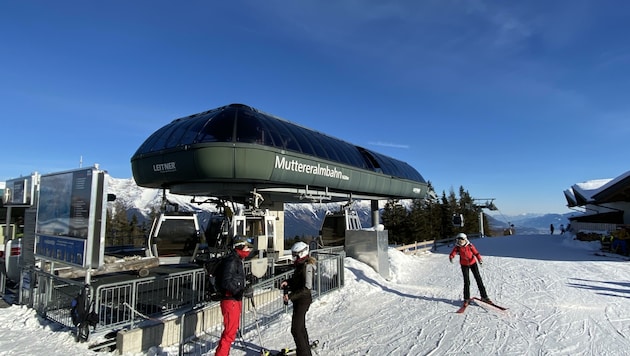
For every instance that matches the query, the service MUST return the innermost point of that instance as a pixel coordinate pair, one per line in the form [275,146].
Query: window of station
[392,169]
[370,161]
[160,140]
[397,168]
[302,136]
[248,128]
[413,174]
[273,136]
[194,127]
[275,132]
[330,148]
[342,152]
[287,140]
[185,131]
[219,128]
[351,155]
[319,146]
[386,165]
[150,142]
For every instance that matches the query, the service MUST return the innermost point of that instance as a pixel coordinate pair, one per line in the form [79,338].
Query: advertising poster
[63,216]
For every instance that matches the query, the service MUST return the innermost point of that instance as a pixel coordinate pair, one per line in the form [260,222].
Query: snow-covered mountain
[301,219]
[140,201]
[529,224]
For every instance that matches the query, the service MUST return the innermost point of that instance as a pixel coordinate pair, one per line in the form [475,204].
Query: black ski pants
[298,326]
[475,271]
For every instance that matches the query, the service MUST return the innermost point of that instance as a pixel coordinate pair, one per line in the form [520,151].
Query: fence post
[319,279]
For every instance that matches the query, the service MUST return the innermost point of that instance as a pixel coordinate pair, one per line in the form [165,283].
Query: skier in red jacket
[234,284]
[468,258]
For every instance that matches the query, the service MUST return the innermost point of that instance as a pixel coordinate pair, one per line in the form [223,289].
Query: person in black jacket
[234,287]
[299,287]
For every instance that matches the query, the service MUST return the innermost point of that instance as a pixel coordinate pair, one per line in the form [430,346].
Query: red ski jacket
[467,254]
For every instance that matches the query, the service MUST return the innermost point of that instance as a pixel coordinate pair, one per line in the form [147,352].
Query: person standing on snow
[234,287]
[468,258]
[551,228]
[299,288]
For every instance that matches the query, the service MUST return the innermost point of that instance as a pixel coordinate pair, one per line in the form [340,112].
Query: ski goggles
[242,243]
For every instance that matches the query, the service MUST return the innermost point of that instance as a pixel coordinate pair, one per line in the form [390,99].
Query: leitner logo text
[164,167]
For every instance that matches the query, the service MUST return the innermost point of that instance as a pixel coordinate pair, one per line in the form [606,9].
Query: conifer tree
[395,219]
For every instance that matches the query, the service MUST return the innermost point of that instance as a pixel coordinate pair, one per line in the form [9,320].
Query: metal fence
[127,303]
[118,304]
[267,302]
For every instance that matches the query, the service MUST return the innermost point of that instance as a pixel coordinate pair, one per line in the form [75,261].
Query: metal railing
[129,302]
[51,296]
[268,302]
[416,247]
[120,304]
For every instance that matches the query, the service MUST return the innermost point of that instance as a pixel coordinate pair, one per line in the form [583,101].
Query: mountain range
[301,219]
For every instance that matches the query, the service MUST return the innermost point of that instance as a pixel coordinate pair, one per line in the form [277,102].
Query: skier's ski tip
[490,303]
[463,307]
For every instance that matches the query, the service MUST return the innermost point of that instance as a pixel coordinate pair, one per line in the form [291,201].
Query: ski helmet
[299,250]
[462,239]
[241,241]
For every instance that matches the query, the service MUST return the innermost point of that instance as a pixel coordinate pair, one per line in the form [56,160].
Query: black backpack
[78,308]
[214,275]
[82,314]
[81,311]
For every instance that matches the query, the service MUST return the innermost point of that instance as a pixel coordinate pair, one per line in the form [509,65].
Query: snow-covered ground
[562,300]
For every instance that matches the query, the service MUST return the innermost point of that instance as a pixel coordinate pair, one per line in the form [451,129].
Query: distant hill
[529,224]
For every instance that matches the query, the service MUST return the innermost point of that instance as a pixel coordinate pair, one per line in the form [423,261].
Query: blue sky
[513,100]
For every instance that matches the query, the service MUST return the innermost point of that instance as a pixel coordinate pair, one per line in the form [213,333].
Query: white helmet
[462,239]
[299,250]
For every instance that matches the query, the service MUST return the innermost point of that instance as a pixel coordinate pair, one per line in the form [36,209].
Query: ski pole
[263,351]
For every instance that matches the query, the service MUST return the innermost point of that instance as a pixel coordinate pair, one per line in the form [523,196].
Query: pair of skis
[287,351]
[284,352]
[483,303]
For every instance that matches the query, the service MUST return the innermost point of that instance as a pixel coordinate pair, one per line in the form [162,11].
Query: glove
[248,292]
[450,259]
[480,262]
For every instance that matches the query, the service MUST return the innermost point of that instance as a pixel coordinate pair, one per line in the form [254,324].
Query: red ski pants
[231,310]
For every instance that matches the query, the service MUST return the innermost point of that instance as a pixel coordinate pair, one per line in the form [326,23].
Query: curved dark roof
[604,200]
[613,190]
[617,190]
[243,124]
